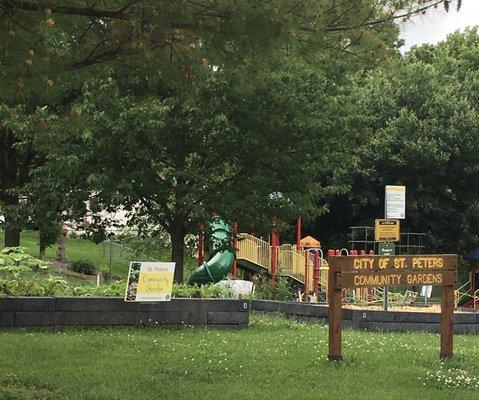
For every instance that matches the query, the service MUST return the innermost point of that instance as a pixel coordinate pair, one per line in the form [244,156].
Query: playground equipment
[221,254]
[302,263]
[467,296]
[306,266]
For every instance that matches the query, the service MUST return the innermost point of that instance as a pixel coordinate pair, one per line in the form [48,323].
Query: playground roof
[473,255]
[309,241]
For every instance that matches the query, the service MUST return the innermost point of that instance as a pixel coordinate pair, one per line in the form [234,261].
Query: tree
[48,47]
[177,154]
[417,124]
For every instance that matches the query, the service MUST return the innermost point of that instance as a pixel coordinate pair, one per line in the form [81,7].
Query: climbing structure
[257,255]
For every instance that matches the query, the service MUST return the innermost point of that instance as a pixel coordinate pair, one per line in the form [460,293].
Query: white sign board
[150,281]
[395,202]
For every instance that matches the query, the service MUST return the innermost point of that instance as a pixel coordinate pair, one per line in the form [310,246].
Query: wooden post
[447,321]
[334,313]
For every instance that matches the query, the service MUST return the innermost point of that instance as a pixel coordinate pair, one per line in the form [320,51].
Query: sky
[436,24]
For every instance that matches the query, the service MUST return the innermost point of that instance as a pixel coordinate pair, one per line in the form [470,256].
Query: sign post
[386,249]
[383,271]
[335,310]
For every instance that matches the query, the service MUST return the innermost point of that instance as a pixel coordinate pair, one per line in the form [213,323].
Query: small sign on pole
[395,202]
[387,249]
[150,281]
[386,230]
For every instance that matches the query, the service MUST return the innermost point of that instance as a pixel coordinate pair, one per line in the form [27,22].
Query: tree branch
[82,11]
[392,17]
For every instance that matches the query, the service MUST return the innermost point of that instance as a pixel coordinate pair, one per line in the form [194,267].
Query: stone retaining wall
[393,321]
[60,312]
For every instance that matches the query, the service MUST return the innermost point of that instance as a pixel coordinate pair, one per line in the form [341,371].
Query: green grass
[273,359]
[77,249]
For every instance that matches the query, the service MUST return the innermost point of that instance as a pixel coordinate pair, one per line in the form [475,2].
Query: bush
[105,273]
[264,289]
[208,291]
[83,267]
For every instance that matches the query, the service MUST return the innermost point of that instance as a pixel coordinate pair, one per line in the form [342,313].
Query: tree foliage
[417,124]
[179,110]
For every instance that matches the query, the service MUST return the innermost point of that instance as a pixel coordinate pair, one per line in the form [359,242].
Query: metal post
[298,233]
[111,268]
[234,268]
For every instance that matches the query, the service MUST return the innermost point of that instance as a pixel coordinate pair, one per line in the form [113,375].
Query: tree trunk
[61,245]
[12,232]
[42,247]
[177,234]
[12,236]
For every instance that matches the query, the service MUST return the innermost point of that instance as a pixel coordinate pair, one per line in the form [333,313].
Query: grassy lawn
[77,249]
[273,359]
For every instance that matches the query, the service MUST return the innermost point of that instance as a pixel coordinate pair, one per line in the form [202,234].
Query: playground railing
[255,250]
[461,293]
[292,263]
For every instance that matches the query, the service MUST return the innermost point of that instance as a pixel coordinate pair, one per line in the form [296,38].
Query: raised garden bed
[61,312]
[370,320]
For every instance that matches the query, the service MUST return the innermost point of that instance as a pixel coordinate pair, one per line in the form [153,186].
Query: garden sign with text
[150,281]
[347,272]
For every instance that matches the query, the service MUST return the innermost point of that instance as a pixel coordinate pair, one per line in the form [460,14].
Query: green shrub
[83,267]
[105,273]
[15,259]
[264,289]
[208,291]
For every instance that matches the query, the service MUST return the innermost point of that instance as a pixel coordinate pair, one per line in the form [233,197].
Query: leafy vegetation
[21,275]
[210,364]
[208,291]
[163,111]
[83,267]
[265,288]
[78,248]
[413,122]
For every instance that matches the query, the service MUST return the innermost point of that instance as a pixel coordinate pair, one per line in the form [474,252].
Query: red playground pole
[306,275]
[316,272]
[201,237]
[298,233]
[234,267]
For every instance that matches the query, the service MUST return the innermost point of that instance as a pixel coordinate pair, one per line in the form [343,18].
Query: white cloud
[436,24]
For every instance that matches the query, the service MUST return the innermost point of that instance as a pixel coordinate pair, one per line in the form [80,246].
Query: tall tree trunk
[9,180]
[42,247]
[61,245]
[12,232]
[177,234]
[12,236]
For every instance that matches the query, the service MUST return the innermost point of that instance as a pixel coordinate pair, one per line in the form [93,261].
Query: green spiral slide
[221,255]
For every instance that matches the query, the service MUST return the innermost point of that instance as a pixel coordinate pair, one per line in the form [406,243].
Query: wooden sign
[386,230]
[384,271]
[420,262]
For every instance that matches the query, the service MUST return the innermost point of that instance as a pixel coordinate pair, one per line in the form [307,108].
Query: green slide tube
[221,254]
